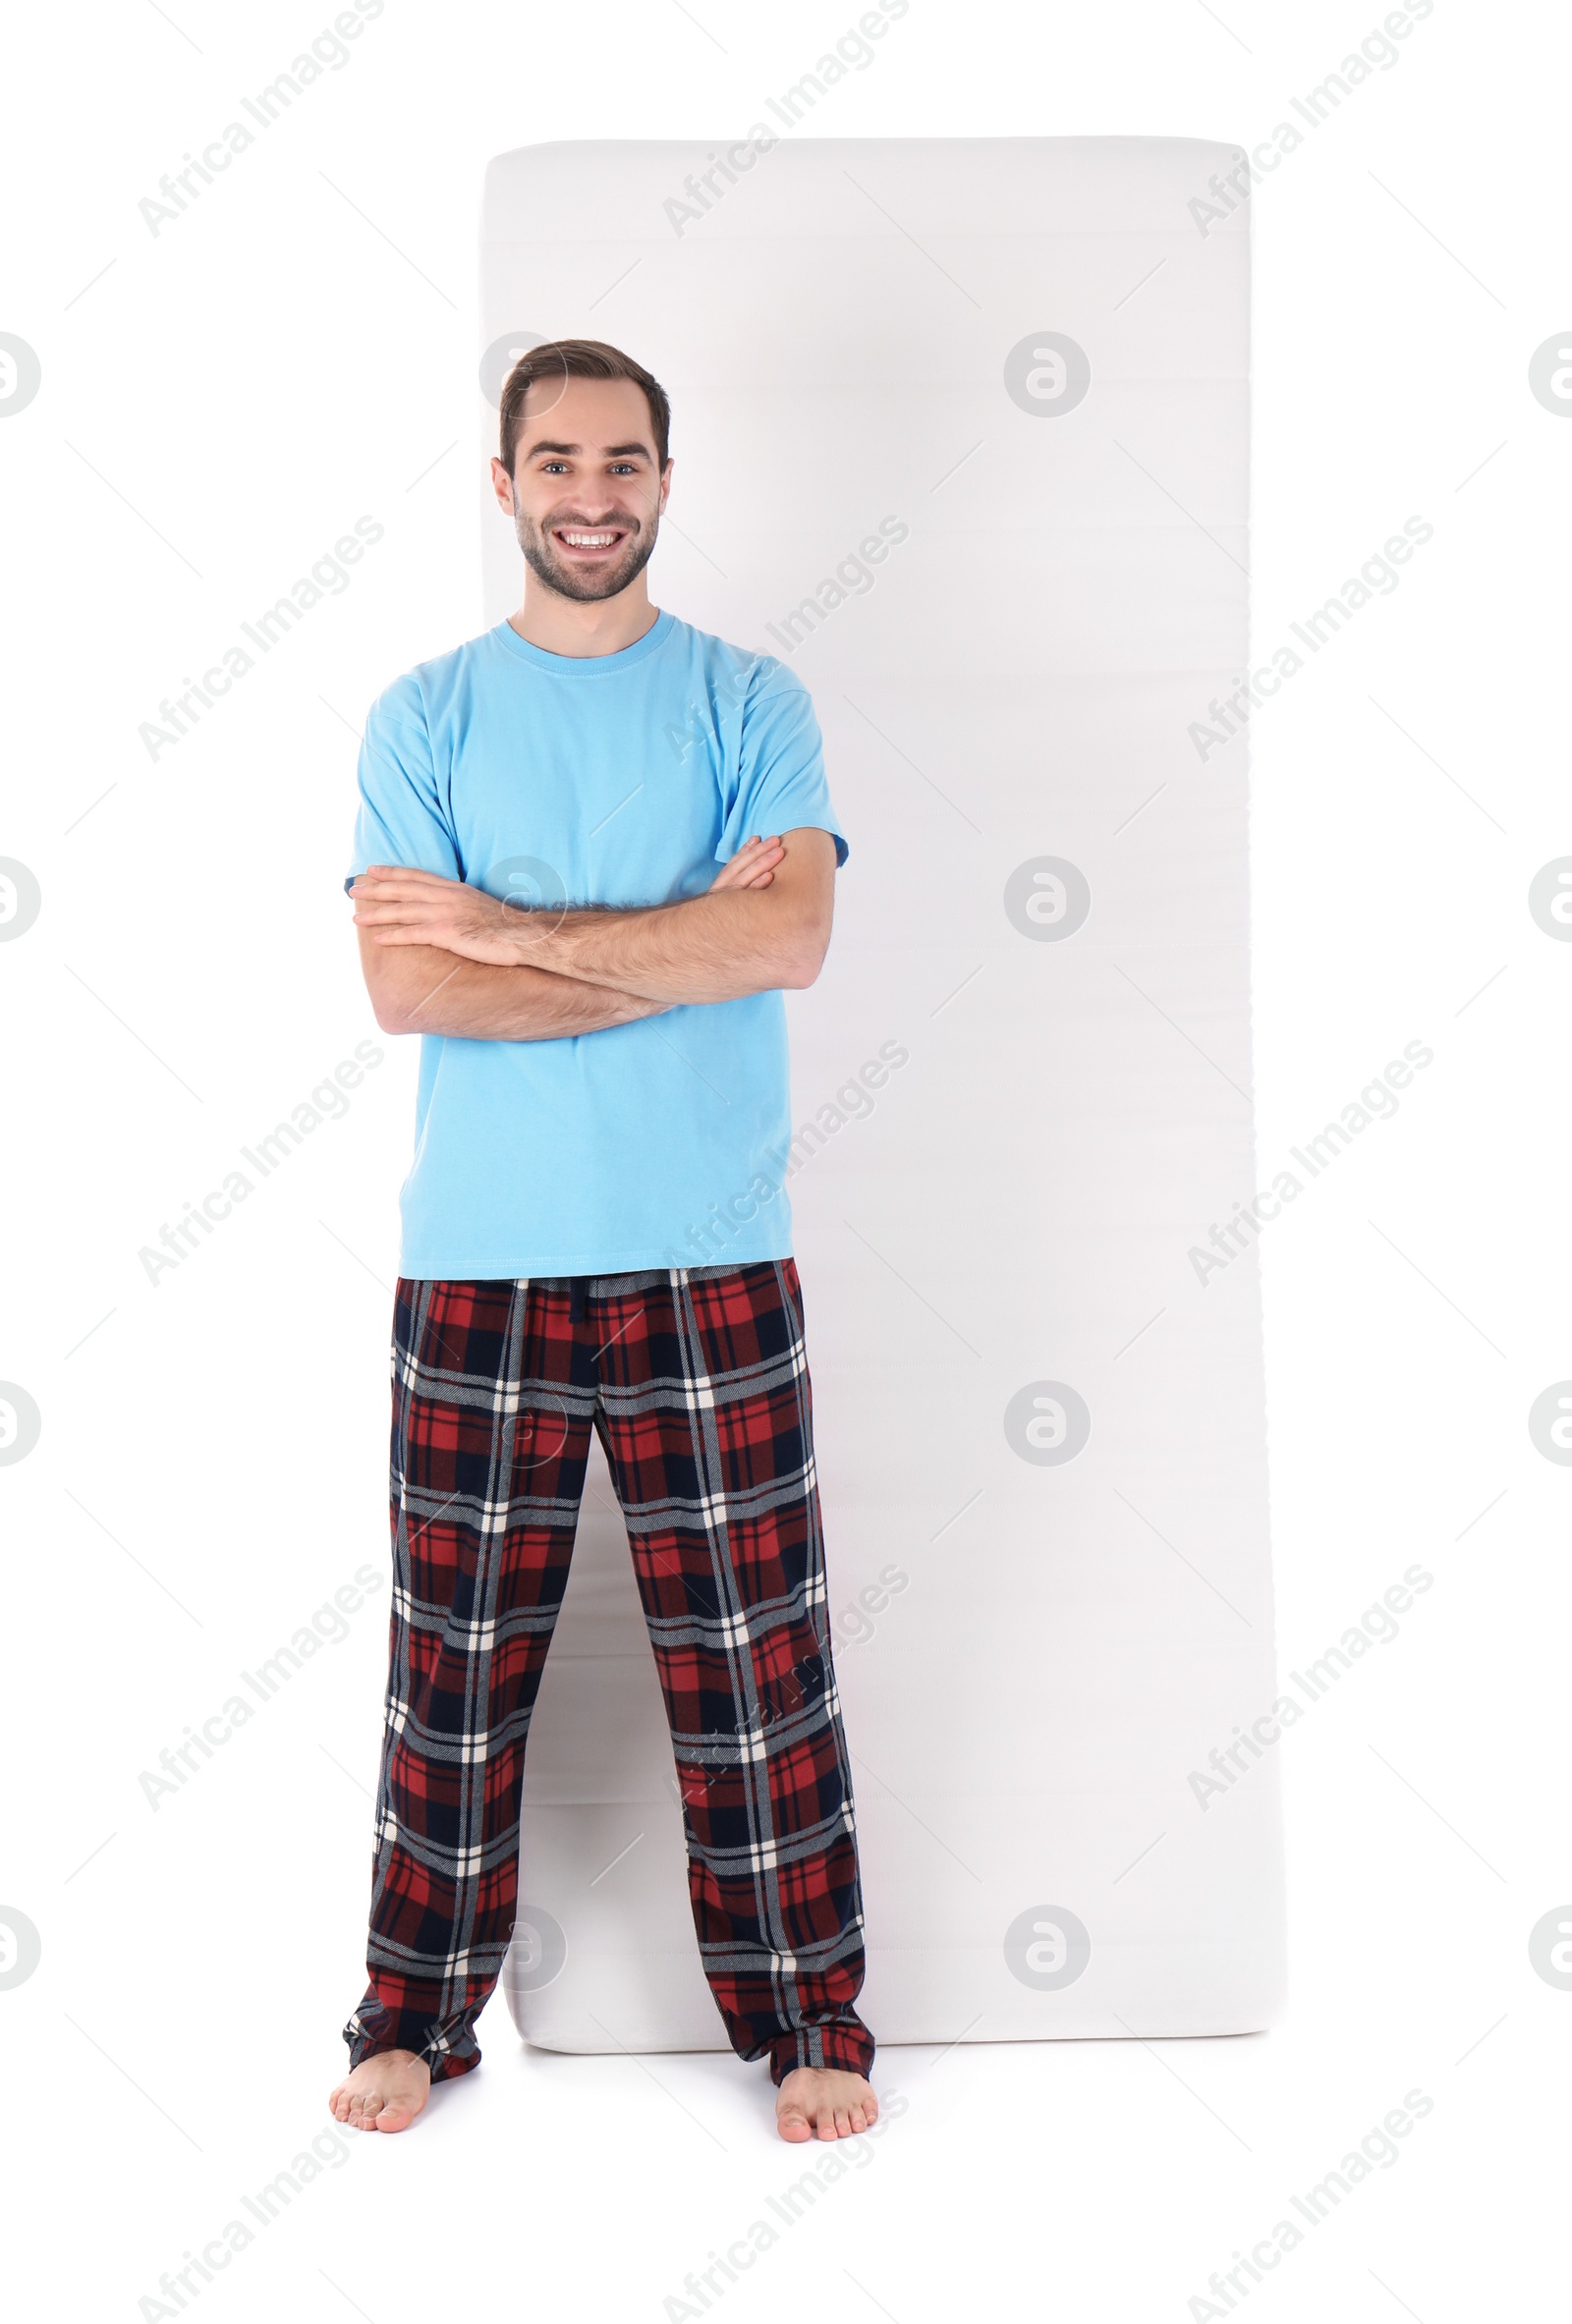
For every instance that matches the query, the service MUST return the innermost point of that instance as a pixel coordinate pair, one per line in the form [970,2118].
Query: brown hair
[557,360]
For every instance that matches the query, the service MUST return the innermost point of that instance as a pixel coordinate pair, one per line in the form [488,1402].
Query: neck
[580,627]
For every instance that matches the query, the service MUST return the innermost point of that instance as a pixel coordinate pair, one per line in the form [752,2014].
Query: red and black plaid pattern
[697,1381]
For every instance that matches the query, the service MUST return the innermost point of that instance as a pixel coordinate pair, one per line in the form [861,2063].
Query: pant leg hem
[847,2047]
[447,2052]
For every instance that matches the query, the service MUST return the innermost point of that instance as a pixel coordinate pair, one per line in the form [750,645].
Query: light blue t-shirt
[618,779]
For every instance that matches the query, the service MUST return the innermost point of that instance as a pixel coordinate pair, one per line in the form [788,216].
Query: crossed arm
[440,956]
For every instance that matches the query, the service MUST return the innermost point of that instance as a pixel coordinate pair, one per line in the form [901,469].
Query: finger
[410,871]
[414,932]
[392,884]
[406,907]
[397,915]
[389,899]
[408,883]
[744,868]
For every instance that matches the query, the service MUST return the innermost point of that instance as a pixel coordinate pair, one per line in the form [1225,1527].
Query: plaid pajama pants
[696,1380]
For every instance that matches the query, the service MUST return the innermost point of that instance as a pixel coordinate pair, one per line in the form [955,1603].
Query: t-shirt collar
[589,665]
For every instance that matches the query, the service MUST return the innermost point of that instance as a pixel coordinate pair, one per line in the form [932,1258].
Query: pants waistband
[609,1287]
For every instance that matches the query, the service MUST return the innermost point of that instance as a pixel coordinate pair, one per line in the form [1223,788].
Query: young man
[603,1078]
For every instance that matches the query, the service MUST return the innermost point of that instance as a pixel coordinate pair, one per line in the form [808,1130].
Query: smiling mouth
[589,541]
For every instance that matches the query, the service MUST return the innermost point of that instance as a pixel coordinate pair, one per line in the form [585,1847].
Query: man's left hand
[396,905]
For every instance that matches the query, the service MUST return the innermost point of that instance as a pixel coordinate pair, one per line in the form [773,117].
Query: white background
[219,403]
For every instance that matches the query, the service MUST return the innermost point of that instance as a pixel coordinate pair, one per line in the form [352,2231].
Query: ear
[502,486]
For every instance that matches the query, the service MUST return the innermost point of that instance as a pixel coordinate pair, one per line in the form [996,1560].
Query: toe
[793,2125]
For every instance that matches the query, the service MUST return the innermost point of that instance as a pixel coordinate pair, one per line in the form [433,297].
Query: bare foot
[383,2094]
[827,2100]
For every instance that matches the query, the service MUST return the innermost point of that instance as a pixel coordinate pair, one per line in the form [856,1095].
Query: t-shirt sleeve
[402,816]
[781,783]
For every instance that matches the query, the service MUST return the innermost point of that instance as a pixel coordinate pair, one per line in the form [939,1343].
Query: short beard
[585,587]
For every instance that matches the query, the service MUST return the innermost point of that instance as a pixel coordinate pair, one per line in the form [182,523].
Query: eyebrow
[613,451]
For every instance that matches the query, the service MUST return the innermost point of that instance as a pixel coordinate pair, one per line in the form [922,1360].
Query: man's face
[586,495]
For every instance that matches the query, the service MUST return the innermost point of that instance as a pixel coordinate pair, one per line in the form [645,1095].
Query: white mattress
[1015,1205]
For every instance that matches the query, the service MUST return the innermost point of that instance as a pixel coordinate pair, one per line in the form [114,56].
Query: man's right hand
[425,989]
[752,865]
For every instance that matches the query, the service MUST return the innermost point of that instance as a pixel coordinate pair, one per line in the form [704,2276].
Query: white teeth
[589,541]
